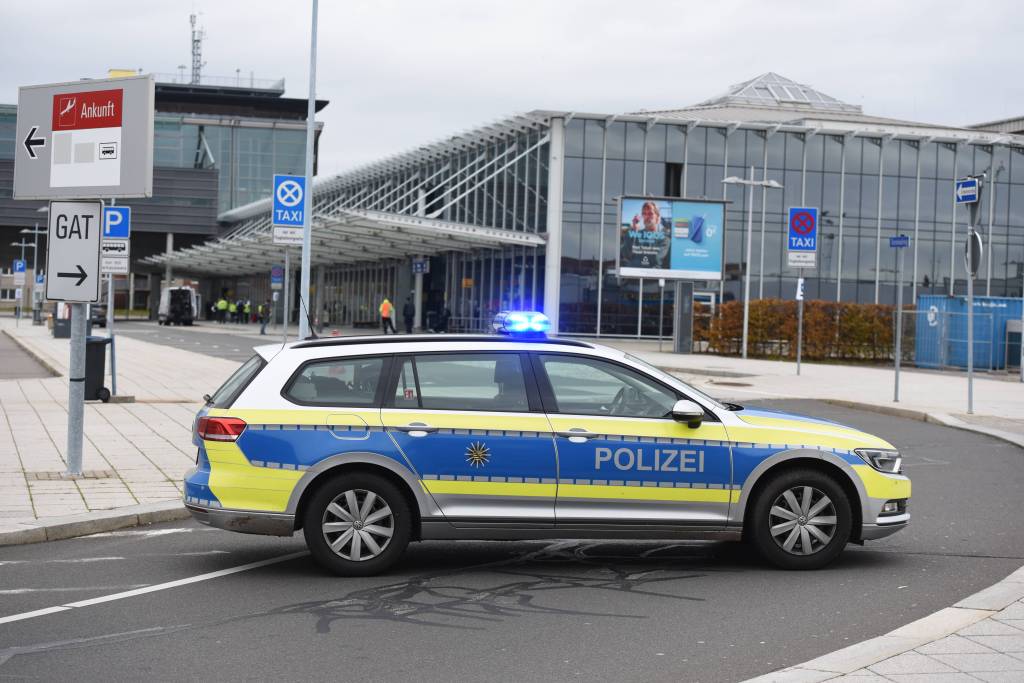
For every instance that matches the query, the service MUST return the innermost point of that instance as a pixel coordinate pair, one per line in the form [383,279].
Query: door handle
[416,429]
[577,435]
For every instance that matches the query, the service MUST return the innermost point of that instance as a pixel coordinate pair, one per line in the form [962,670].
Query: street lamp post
[751,183]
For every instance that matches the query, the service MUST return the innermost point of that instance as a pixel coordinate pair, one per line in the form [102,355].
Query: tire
[772,509]
[396,520]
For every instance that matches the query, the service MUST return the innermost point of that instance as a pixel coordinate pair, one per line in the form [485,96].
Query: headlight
[883,460]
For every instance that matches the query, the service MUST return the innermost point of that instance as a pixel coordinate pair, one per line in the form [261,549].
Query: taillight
[220,428]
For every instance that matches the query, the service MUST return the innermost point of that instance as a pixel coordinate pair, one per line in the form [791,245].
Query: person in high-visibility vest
[387,310]
[222,310]
[247,311]
[233,311]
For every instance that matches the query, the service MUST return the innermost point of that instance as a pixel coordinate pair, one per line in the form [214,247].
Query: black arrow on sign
[32,142]
[81,275]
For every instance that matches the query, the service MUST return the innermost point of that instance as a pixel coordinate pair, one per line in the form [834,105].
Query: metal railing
[237,81]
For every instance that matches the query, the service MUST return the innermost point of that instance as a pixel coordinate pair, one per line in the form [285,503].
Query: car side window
[337,382]
[462,381]
[589,386]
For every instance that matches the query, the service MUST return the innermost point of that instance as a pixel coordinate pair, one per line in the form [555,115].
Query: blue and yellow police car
[369,443]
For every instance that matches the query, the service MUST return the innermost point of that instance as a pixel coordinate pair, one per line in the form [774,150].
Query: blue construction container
[941,331]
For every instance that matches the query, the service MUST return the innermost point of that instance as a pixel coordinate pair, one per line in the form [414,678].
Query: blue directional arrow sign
[289,200]
[966,191]
[899,242]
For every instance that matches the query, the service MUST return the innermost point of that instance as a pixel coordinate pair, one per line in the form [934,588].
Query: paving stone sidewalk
[981,638]
[134,453]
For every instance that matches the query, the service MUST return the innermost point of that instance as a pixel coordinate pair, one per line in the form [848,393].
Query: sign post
[968,191]
[802,252]
[18,268]
[81,140]
[900,242]
[115,250]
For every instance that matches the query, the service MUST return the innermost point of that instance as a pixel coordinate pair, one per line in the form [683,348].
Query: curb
[945,622]
[71,526]
[35,356]
[943,419]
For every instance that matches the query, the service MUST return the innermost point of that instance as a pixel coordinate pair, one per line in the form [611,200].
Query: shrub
[832,331]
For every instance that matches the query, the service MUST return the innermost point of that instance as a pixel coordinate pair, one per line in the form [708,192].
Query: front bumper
[886,526]
[244,521]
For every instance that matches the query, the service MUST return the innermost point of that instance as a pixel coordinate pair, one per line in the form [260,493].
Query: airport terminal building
[524,212]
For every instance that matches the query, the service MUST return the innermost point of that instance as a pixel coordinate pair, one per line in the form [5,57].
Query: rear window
[462,381]
[229,391]
[337,382]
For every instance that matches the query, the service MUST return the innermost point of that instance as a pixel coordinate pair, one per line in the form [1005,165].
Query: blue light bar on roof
[521,323]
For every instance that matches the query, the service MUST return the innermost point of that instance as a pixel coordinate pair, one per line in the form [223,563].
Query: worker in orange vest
[387,311]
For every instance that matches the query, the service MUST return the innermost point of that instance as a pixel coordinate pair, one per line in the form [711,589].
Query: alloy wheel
[358,525]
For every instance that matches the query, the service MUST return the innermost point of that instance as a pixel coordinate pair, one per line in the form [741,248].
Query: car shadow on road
[468,584]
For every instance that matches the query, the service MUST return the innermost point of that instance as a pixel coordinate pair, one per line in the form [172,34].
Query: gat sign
[85,139]
[73,252]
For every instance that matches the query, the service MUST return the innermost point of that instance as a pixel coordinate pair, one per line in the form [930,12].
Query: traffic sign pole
[899,322]
[110,324]
[800,322]
[287,277]
[972,269]
[307,213]
[76,389]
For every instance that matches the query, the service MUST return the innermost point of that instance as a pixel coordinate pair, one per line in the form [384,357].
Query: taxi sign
[85,139]
[802,242]
[289,200]
[73,252]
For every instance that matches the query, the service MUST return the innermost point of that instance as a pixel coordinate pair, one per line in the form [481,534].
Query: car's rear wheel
[357,524]
[801,519]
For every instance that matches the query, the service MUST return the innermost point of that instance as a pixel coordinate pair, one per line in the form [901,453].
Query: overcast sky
[401,73]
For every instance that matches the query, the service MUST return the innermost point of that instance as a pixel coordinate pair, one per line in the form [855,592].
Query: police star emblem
[477,454]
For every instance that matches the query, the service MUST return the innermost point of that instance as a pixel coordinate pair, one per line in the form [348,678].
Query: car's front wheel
[357,524]
[801,519]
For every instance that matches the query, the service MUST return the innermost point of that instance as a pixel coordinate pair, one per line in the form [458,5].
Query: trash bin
[95,368]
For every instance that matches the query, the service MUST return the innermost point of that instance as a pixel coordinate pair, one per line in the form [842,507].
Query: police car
[369,443]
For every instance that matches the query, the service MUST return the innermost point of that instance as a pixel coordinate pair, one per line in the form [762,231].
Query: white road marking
[151,589]
[66,589]
[142,532]
[113,558]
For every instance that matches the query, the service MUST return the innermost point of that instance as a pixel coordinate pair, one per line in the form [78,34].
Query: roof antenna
[309,319]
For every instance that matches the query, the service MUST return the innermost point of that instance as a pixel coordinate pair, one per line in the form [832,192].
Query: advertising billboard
[678,239]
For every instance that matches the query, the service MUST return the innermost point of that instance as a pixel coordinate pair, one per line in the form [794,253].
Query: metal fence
[938,340]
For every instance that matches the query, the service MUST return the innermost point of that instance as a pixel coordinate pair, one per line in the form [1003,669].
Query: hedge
[832,331]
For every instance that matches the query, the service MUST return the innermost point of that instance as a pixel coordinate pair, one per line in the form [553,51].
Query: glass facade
[867,188]
[247,156]
[500,183]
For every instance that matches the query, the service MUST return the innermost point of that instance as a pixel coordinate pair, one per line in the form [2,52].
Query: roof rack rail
[435,338]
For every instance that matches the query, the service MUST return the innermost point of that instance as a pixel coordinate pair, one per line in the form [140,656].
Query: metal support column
[553,248]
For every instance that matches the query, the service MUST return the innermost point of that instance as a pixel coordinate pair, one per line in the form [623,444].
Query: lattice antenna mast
[197,50]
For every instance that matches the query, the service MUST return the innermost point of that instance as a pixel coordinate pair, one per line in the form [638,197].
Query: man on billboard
[645,239]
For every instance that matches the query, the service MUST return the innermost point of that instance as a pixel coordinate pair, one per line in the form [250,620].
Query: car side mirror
[688,412]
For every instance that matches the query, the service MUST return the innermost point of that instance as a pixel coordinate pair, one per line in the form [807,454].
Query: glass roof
[773,90]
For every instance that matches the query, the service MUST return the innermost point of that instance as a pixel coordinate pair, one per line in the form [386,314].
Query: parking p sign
[802,241]
[117,222]
[289,200]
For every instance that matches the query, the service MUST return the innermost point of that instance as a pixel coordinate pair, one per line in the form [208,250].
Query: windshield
[229,391]
[674,381]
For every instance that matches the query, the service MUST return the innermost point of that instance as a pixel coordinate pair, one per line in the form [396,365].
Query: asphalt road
[206,337]
[15,363]
[552,610]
